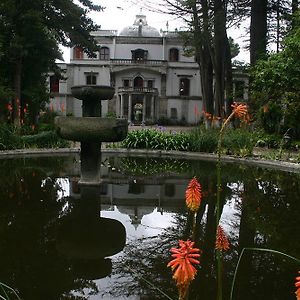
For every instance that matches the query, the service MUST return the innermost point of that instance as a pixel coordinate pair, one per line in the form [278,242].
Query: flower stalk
[240,111]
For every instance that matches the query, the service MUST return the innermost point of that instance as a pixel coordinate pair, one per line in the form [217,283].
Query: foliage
[152,166]
[46,139]
[203,140]
[239,142]
[111,114]
[275,87]
[236,141]
[30,35]
[9,138]
[7,293]
[156,139]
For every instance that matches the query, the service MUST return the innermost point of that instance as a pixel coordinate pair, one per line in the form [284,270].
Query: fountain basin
[93,92]
[91,129]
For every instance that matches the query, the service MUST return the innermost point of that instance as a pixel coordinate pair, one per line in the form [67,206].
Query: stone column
[144,109]
[152,108]
[90,155]
[122,106]
[129,107]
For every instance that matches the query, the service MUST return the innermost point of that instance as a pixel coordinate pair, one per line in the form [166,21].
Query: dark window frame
[54,84]
[91,79]
[104,53]
[173,55]
[78,53]
[184,86]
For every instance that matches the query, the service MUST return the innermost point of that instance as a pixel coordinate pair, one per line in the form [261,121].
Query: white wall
[124,51]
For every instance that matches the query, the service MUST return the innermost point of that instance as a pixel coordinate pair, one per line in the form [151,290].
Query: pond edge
[273,164]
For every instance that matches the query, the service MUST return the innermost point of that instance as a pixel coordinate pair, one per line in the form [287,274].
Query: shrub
[9,138]
[156,139]
[203,140]
[46,139]
[238,142]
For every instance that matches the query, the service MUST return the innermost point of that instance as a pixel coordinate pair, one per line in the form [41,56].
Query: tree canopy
[276,85]
[30,35]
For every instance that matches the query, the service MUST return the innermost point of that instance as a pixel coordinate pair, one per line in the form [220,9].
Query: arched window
[77,53]
[184,87]
[138,82]
[173,54]
[104,53]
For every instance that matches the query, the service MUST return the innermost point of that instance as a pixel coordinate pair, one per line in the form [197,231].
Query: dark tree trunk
[220,39]
[204,61]
[228,78]
[17,89]
[295,7]
[206,72]
[258,30]
[295,4]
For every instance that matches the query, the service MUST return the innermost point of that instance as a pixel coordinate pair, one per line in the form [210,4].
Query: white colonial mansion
[152,76]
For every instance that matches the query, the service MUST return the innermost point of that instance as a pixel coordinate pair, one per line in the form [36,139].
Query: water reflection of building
[139,197]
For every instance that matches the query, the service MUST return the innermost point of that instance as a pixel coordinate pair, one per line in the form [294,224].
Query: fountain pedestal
[91,130]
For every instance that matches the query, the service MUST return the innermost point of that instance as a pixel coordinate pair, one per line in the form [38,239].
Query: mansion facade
[153,77]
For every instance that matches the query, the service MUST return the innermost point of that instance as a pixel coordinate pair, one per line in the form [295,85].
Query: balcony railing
[125,89]
[151,62]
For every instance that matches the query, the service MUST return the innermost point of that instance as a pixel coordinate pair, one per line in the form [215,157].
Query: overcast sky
[121,13]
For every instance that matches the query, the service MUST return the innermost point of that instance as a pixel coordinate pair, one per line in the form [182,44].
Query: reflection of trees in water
[267,203]
[29,210]
[145,259]
[268,213]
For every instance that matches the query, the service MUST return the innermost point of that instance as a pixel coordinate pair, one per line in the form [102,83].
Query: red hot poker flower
[297,285]
[240,110]
[182,264]
[193,195]
[222,242]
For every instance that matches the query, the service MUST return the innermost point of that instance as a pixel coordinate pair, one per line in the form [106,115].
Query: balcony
[148,62]
[137,90]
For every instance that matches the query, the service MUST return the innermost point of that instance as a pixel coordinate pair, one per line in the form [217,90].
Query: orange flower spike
[222,242]
[182,264]
[193,195]
[297,285]
[240,110]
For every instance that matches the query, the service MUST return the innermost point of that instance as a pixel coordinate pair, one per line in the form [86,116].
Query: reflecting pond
[59,240]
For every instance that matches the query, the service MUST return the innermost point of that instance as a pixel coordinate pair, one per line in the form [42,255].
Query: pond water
[59,240]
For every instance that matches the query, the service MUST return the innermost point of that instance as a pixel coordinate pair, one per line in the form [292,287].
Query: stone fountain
[86,238]
[91,130]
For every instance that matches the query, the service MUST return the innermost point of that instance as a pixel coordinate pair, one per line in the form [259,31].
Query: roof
[140,27]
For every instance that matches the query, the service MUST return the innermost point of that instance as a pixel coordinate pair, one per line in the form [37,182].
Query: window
[173,113]
[78,53]
[239,90]
[173,54]
[184,87]
[150,83]
[91,79]
[104,53]
[138,82]
[139,55]
[169,189]
[126,83]
[54,84]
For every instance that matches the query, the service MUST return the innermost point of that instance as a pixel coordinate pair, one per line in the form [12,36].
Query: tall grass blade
[261,250]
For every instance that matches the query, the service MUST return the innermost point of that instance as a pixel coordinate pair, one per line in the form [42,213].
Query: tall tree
[258,30]
[31,33]
[207,22]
